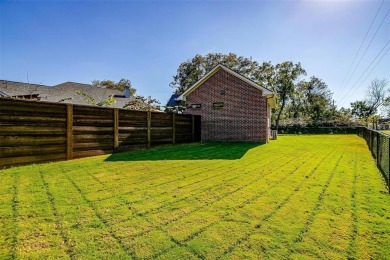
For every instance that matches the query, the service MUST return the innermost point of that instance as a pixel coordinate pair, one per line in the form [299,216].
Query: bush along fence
[34,131]
[317,130]
[379,145]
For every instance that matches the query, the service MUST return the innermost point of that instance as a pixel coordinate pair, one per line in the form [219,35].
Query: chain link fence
[379,145]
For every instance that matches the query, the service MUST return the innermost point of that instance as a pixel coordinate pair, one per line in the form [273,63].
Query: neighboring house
[174,105]
[2,94]
[64,93]
[233,108]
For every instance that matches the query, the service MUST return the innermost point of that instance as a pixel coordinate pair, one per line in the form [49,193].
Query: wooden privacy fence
[32,131]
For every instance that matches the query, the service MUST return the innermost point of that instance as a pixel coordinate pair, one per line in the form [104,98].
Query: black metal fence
[379,145]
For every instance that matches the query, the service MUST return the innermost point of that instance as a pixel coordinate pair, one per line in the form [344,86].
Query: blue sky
[145,41]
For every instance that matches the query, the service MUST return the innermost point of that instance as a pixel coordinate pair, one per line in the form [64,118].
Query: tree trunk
[279,114]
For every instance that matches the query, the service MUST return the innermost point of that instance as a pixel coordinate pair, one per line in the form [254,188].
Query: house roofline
[265,91]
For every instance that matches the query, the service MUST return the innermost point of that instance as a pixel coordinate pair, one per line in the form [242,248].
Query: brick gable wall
[243,116]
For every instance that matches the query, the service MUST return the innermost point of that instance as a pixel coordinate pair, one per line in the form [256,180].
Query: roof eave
[264,91]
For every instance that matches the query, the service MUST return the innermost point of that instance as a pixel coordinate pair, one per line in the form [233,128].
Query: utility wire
[373,37]
[384,54]
[361,45]
[367,70]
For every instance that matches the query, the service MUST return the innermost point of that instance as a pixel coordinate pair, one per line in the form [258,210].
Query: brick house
[233,108]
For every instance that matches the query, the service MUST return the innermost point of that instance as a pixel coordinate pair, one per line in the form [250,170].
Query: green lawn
[385,132]
[298,197]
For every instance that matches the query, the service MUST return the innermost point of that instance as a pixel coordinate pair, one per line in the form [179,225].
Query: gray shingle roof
[65,92]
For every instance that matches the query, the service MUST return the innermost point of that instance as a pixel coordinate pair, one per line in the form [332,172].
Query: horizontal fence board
[132,128]
[132,136]
[133,141]
[92,129]
[93,111]
[37,131]
[10,141]
[83,136]
[123,114]
[82,154]
[31,106]
[31,118]
[6,152]
[32,130]
[91,145]
[124,148]
[31,159]
[162,141]
[92,122]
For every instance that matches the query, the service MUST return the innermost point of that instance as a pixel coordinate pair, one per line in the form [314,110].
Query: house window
[196,106]
[218,105]
[222,92]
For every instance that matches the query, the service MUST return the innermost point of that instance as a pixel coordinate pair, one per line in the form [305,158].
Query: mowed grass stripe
[278,216]
[373,211]
[102,220]
[37,236]
[202,240]
[153,203]
[194,207]
[172,239]
[87,235]
[224,201]
[8,215]
[148,174]
[221,173]
[184,199]
[352,248]
[50,197]
[184,174]
[330,224]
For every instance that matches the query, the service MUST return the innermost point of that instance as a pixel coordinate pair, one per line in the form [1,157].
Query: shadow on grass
[193,151]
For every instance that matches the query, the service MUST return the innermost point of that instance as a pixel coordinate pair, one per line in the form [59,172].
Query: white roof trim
[264,91]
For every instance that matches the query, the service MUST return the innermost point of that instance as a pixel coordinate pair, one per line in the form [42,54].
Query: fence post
[149,118]
[69,131]
[173,128]
[193,128]
[116,129]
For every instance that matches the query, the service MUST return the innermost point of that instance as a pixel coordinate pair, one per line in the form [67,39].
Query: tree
[377,95]
[143,104]
[190,71]
[343,116]
[362,110]
[311,100]
[101,102]
[121,85]
[316,99]
[286,73]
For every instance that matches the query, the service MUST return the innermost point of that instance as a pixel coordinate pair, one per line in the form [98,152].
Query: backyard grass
[385,132]
[315,196]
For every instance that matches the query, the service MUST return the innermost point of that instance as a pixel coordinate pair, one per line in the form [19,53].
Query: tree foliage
[298,100]
[189,72]
[136,102]
[121,85]
[377,97]
[282,78]
[143,104]
[102,102]
[286,73]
